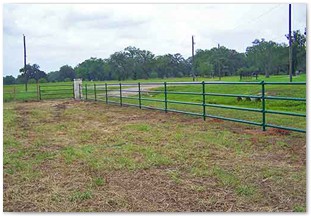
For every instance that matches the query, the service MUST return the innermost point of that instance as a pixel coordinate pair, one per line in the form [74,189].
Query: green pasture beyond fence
[126,93]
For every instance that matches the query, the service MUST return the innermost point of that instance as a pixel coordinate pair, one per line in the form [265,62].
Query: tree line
[263,57]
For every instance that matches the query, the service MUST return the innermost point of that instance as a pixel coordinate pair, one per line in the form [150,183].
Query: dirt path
[131,90]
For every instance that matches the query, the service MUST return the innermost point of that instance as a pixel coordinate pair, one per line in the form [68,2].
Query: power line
[278,37]
[256,18]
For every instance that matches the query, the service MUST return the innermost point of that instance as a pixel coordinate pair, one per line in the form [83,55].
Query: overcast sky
[59,34]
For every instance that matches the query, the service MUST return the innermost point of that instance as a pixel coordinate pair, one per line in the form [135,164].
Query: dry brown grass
[68,156]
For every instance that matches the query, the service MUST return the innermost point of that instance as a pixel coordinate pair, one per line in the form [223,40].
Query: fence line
[263,98]
[118,91]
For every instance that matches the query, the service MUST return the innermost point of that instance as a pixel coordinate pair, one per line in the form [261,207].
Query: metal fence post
[73,91]
[85,91]
[80,91]
[139,95]
[263,100]
[203,100]
[14,93]
[120,94]
[106,90]
[95,92]
[165,96]
[39,92]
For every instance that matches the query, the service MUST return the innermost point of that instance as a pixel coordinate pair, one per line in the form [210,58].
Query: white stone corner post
[77,85]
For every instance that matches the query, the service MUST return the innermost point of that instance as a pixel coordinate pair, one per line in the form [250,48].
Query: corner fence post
[95,92]
[120,94]
[106,91]
[203,100]
[39,92]
[165,96]
[139,95]
[85,91]
[263,99]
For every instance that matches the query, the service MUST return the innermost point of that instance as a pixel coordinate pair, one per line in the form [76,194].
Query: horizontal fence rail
[55,91]
[136,92]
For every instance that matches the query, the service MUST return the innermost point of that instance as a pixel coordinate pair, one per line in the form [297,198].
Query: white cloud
[59,34]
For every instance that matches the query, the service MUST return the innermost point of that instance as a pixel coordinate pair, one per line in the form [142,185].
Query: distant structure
[249,74]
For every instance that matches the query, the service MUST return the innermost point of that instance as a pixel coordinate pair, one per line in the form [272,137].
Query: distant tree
[32,72]
[53,76]
[218,61]
[31,81]
[172,66]
[8,80]
[66,71]
[153,75]
[118,65]
[38,75]
[67,80]
[261,55]
[140,62]
[26,73]
[299,45]
[20,79]
[93,69]
[43,80]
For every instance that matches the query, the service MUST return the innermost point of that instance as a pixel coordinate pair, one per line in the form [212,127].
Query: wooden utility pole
[290,44]
[219,64]
[193,75]
[25,63]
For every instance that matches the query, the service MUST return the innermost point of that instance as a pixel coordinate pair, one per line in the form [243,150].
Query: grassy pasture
[64,155]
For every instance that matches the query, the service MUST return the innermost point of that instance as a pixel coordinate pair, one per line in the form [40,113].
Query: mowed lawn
[65,155]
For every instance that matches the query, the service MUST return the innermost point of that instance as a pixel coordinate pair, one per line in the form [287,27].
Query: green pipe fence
[123,94]
[55,91]
[118,91]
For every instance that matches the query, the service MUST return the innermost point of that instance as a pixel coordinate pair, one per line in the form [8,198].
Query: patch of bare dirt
[152,189]
[216,120]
